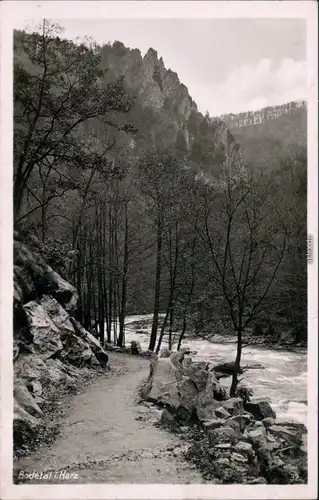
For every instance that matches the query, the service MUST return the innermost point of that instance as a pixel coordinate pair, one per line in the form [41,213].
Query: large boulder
[53,332]
[200,378]
[206,405]
[188,395]
[260,409]
[46,338]
[163,375]
[170,396]
[208,400]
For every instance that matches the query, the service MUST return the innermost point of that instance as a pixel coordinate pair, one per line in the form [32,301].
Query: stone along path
[106,437]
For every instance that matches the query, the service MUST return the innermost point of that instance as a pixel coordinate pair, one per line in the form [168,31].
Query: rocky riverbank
[285,342]
[233,440]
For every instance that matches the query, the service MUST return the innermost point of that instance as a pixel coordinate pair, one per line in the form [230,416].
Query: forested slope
[144,204]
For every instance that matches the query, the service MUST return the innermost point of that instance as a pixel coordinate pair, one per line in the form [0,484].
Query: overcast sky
[228,65]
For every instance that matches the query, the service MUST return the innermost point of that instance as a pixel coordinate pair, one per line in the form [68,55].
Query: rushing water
[283,381]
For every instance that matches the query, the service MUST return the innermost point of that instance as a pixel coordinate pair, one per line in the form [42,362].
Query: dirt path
[107,437]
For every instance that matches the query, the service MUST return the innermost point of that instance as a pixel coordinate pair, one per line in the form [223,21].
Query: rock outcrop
[233,441]
[165,114]
[51,349]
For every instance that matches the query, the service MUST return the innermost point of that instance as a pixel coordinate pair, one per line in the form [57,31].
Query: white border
[10,12]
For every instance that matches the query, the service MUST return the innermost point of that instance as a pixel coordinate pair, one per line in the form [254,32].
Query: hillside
[269,135]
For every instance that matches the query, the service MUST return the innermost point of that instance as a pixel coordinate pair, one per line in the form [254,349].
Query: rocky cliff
[165,114]
[51,350]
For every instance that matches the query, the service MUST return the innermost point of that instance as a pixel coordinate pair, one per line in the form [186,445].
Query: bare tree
[246,246]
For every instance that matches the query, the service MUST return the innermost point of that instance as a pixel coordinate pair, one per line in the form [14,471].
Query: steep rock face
[51,349]
[165,114]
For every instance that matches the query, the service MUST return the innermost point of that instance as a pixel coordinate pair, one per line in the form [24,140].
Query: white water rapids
[283,381]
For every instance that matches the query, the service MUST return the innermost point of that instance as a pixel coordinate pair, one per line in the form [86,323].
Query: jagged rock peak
[151,54]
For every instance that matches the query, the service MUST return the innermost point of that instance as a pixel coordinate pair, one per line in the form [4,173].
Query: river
[283,380]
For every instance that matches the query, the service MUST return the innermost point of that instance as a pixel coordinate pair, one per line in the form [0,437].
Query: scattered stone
[258,423]
[227,368]
[168,421]
[244,447]
[260,409]
[193,366]
[257,435]
[221,412]
[214,423]
[187,362]
[296,426]
[234,423]
[25,426]
[165,353]
[258,480]
[136,347]
[37,388]
[223,461]
[166,417]
[289,436]
[268,421]
[177,358]
[239,458]
[221,435]
[26,400]
[234,406]
[223,445]
[243,420]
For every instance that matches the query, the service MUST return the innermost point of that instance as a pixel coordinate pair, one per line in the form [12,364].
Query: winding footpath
[107,437]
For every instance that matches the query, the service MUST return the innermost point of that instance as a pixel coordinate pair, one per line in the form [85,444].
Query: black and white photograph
[163,236]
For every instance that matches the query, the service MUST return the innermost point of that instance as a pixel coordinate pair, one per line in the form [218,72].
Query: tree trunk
[180,340]
[234,384]
[122,313]
[157,283]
